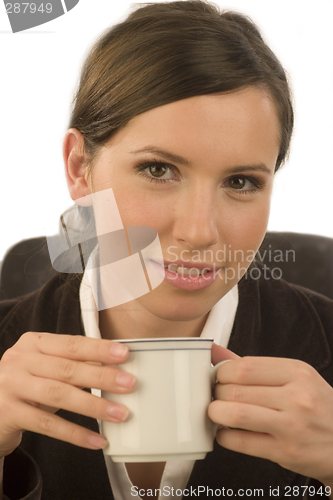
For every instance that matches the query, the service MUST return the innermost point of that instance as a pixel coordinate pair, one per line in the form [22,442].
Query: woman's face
[200,172]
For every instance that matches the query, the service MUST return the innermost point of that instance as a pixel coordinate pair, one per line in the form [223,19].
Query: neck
[127,323]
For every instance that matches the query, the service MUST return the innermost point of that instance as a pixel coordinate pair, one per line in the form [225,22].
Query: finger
[220,353]
[252,370]
[245,416]
[269,397]
[250,443]
[36,420]
[75,347]
[81,374]
[56,394]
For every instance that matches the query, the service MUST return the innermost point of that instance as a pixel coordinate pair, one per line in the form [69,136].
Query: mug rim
[164,339]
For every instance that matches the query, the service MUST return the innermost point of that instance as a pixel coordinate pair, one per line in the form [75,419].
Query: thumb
[220,353]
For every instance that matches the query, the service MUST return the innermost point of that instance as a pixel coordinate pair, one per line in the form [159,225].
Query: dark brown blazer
[273,319]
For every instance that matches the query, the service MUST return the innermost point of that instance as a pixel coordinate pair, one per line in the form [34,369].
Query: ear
[76,165]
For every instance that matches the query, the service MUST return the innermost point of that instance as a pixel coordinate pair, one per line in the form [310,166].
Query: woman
[185,114]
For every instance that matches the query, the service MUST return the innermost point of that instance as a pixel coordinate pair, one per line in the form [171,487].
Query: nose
[196,218]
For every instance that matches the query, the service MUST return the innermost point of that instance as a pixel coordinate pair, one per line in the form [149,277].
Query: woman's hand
[287,406]
[44,371]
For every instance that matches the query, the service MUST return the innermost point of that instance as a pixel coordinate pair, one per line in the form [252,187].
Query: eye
[237,182]
[244,184]
[156,171]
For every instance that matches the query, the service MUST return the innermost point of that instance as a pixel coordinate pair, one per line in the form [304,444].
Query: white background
[39,72]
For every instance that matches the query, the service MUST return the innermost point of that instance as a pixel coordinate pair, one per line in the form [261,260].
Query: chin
[178,310]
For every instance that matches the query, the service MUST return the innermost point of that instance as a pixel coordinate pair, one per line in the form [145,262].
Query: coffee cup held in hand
[168,408]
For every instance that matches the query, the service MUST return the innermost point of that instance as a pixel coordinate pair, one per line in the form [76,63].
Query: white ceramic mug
[168,408]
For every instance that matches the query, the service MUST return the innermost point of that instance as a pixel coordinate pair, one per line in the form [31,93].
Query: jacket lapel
[278,320]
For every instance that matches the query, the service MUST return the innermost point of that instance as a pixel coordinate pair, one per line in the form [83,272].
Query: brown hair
[171,51]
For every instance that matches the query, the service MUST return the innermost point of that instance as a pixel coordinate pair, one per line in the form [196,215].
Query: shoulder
[284,320]
[52,308]
[289,301]
[278,297]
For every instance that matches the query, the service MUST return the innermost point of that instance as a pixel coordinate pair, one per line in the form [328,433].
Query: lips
[187,275]
[189,268]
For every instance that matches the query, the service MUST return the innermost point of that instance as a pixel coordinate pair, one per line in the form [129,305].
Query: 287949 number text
[28,8]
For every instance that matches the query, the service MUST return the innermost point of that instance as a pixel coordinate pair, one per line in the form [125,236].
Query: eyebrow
[182,161]
[164,154]
[261,167]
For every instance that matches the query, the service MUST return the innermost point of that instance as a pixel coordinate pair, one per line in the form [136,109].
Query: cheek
[248,228]
[143,211]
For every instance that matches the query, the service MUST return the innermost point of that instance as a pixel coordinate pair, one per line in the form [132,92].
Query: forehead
[229,124]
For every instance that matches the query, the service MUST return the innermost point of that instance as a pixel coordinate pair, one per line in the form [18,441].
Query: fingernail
[97,441]
[117,412]
[124,379]
[118,350]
